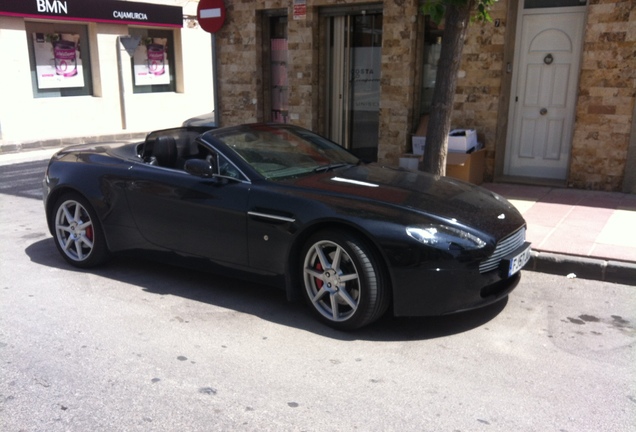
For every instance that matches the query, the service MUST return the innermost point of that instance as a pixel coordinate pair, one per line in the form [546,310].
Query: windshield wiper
[329,167]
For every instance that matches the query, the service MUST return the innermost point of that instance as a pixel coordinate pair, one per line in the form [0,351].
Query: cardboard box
[418,143]
[459,140]
[462,140]
[468,167]
[410,161]
[422,126]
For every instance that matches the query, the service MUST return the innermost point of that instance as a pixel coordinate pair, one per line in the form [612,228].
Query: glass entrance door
[354,82]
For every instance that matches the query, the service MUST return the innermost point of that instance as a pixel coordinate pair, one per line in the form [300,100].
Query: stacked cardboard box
[465,160]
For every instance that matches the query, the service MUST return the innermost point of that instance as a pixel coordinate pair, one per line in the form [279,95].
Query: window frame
[146,33]
[31,28]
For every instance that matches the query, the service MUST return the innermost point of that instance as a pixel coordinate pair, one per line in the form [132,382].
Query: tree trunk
[439,124]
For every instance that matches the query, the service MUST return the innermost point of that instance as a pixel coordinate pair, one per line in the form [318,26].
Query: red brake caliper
[319,282]
[89,233]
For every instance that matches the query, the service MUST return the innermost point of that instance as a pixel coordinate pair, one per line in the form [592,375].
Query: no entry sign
[211,15]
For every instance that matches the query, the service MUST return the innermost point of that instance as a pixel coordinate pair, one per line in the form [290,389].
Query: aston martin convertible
[281,205]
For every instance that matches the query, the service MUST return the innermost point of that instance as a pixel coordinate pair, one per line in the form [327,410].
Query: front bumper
[434,292]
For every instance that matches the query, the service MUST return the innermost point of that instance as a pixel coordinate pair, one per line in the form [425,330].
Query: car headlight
[445,237]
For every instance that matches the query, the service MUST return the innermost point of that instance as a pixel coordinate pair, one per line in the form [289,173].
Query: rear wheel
[343,281]
[78,234]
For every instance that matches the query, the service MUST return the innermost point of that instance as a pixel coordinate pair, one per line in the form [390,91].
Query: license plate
[519,260]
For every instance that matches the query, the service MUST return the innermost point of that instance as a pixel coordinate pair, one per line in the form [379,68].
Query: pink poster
[151,62]
[57,60]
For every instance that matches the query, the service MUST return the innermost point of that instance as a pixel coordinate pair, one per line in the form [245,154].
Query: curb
[18,147]
[582,267]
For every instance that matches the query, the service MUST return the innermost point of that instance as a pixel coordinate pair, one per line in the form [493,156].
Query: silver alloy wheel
[74,230]
[332,281]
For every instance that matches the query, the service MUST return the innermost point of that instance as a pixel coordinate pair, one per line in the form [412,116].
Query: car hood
[437,198]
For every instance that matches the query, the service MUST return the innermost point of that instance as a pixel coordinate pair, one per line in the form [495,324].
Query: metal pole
[122,92]
[215,83]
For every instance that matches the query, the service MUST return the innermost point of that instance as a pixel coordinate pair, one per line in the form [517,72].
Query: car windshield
[279,152]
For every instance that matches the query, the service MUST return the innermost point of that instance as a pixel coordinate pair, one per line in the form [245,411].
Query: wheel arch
[55,194]
[293,284]
[52,198]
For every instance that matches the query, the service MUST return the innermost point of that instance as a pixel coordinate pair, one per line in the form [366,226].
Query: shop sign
[110,11]
[365,75]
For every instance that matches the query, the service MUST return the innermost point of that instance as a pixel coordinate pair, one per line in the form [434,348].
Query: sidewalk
[578,233]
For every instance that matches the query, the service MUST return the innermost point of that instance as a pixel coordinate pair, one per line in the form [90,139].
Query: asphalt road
[137,346]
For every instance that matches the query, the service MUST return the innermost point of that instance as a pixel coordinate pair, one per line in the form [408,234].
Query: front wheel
[343,280]
[78,234]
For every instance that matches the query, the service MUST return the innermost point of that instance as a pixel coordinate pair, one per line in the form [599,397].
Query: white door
[544,89]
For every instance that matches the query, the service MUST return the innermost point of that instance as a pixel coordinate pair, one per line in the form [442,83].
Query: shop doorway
[353,85]
[545,80]
[276,81]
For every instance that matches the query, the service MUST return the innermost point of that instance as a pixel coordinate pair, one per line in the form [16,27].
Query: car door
[204,217]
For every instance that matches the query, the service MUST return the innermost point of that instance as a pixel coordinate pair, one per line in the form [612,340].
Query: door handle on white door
[543,111]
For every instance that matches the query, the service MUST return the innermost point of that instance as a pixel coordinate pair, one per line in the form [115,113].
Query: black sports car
[288,207]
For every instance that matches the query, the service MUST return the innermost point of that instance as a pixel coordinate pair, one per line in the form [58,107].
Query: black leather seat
[164,152]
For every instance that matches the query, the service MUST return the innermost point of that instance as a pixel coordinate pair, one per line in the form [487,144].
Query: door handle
[543,111]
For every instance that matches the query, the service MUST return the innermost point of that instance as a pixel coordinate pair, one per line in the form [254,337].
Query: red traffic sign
[211,15]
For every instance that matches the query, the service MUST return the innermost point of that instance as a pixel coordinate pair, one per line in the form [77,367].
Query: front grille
[504,247]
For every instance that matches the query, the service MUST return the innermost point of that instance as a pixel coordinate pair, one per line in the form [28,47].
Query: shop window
[153,65]
[278,66]
[59,59]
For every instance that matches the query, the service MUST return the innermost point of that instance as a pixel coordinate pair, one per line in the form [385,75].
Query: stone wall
[605,99]
[479,84]
[239,48]
[241,85]
[239,64]
[398,87]
[607,91]
[304,93]
[606,96]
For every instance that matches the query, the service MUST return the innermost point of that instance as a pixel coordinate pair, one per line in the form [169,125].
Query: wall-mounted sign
[300,9]
[57,59]
[211,15]
[130,43]
[111,11]
[365,75]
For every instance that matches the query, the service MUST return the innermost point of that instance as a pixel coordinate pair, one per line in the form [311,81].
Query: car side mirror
[199,168]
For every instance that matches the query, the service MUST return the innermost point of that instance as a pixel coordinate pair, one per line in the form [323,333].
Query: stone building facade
[607,89]
[598,143]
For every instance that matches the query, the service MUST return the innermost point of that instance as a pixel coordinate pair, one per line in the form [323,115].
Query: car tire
[77,232]
[343,281]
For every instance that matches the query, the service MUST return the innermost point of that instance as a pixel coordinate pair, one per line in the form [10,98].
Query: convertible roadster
[285,206]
